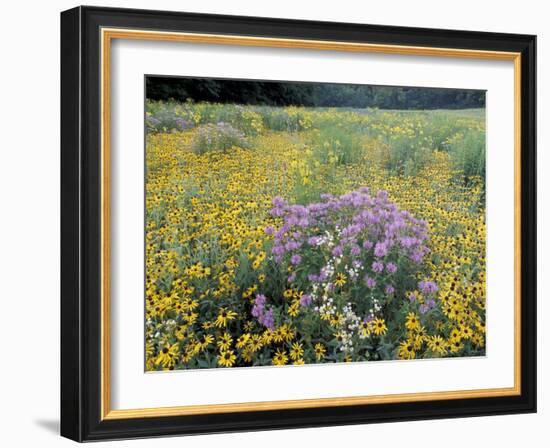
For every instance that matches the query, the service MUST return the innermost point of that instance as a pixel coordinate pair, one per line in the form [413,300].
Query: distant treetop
[286,93]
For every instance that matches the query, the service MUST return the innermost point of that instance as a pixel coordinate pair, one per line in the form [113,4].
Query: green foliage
[405,139]
[468,153]
[409,138]
[291,119]
[406,156]
[165,120]
[336,145]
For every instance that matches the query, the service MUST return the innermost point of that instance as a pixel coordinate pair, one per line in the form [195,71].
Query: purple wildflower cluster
[428,288]
[152,122]
[305,300]
[182,124]
[261,313]
[348,254]
[355,224]
[167,120]
[217,137]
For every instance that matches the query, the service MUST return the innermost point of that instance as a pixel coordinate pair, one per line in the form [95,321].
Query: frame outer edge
[71,327]
[81,420]
[529,221]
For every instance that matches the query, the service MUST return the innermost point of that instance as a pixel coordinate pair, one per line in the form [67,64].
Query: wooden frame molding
[108,35]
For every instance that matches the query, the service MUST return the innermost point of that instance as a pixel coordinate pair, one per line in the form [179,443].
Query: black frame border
[81,223]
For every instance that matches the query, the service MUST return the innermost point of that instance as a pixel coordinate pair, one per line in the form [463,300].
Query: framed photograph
[273,223]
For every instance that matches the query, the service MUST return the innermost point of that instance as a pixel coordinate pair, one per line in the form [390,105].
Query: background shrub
[468,153]
[336,145]
[217,137]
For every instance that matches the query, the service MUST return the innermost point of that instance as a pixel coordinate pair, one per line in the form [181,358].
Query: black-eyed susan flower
[224,316]
[242,340]
[320,351]
[224,341]
[406,350]
[340,279]
[365,328]
[280,358]
[226,358]
[437,345]
[296,351]
[379,327]
[412,322]
[167,355]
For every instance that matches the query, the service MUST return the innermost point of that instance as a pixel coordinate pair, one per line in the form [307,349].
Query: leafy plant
[217,137]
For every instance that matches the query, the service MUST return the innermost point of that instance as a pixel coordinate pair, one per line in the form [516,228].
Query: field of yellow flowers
[279,236]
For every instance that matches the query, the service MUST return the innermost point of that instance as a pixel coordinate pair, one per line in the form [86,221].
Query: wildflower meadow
[287,235]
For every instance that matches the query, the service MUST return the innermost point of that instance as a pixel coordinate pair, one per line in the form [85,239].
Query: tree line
[275,93]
